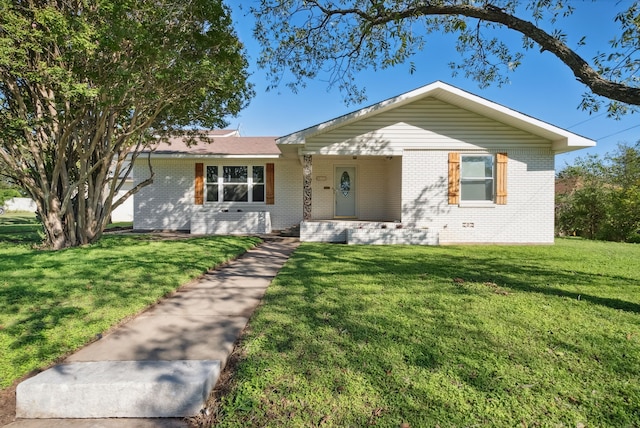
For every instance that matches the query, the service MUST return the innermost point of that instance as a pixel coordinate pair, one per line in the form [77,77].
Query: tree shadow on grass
[20,229]
[422,335]
[504,272]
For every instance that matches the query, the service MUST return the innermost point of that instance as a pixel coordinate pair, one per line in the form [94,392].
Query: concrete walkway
[189,335]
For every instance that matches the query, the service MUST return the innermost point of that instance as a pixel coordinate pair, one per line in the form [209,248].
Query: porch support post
[306,201]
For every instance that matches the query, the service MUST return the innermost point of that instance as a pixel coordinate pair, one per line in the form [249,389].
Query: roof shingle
[219,145]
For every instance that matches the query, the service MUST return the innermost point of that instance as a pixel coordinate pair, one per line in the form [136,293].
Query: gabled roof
[219,145]
[561,139]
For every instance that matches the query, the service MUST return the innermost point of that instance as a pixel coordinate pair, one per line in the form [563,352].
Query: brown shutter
[501,179]
[199,184]
[271,197]
[454,178]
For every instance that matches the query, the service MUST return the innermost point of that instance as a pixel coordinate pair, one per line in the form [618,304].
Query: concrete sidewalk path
[188,334]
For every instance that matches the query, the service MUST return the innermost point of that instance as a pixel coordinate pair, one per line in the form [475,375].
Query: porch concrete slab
[120,389]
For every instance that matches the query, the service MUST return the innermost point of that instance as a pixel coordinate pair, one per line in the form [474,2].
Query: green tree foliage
[601,196]
[339,38]
[87,84]
[8,193]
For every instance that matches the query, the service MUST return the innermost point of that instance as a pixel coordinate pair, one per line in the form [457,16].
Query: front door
[345,191]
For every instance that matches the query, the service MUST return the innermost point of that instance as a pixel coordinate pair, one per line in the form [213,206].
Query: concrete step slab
[118,389]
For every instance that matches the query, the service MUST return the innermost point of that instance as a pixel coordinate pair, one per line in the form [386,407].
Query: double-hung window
[477,178]
[257,189]
[235,183]
[213,194]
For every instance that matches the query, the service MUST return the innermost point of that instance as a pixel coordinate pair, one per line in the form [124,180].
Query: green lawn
[505,336]
[20,228]
[54,302]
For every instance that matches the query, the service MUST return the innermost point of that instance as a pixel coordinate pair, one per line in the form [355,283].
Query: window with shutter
[477,178]
[235,183]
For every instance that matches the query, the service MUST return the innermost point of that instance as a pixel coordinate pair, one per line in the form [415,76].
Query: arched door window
[345,183]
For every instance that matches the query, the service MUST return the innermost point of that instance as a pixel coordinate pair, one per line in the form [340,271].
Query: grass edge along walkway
[52,303]
[444,336]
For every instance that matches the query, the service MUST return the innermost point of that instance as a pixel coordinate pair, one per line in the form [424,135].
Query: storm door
[345,191]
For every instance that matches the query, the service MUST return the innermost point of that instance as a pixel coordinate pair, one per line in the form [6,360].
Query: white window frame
[474,202]
[220,183]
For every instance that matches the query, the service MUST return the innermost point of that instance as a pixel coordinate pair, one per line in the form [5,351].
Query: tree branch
[138,186]
[580,68]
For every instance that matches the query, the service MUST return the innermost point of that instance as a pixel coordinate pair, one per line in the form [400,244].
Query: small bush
[6,194]
[634,239]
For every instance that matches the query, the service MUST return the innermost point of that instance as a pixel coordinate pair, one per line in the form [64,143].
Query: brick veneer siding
[337,230]
[209,222]
[391,237]
[527,217]
[168,203]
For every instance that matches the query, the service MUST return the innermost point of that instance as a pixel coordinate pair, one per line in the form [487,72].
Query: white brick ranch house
[434,165]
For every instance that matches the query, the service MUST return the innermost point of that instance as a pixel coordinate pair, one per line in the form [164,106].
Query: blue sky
[542,87]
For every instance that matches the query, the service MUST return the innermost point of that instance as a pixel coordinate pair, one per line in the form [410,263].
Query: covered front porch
[356,200]
[364,188]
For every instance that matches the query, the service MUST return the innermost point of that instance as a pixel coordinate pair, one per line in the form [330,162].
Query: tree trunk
[53,224]
[76,225]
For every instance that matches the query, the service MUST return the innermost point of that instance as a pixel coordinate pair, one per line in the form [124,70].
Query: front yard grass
[52,303]
[504,336]
[20,228]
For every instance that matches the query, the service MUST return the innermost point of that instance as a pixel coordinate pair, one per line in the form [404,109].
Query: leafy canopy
[86,85]
[304,39]
[600,196]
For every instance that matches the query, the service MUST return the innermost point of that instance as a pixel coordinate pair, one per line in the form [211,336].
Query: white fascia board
[569,144]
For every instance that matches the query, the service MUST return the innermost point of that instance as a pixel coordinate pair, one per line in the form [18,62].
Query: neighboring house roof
[219,145]
[561,140]
[568,185]
[223,132]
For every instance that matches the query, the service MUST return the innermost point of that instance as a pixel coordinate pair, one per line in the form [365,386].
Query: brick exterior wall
[391,237]
[365,233]
[208,222]
[527,217]
[168,203]
[418,179]
[336,230]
